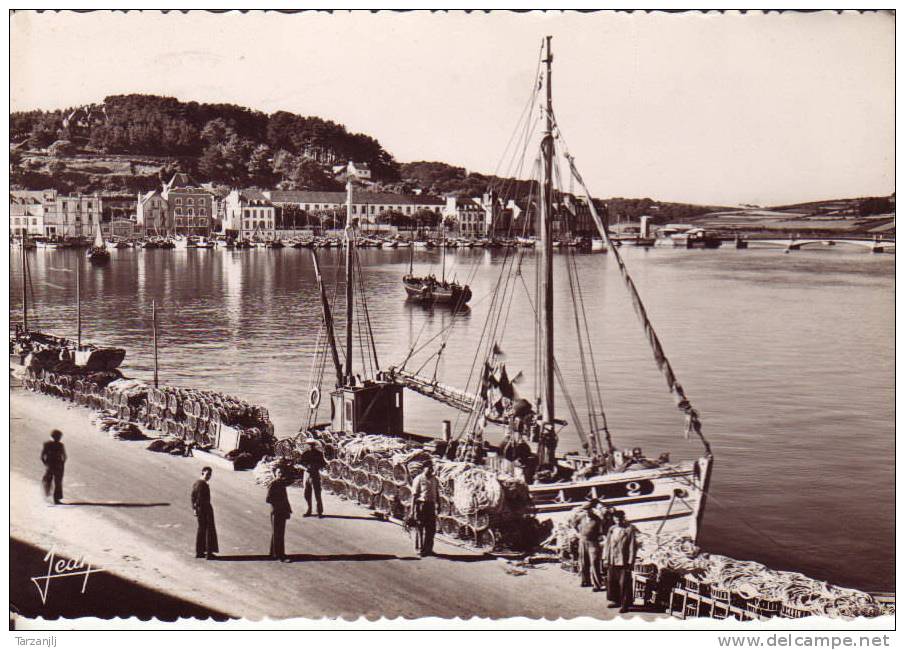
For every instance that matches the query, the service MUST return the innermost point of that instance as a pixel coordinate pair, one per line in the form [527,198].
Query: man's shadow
[114,504]
[309,557]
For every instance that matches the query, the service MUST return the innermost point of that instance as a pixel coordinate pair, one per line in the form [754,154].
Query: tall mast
[349,295]
[154,329]
[24,281]
[78,302]
[443,244]
[546,233]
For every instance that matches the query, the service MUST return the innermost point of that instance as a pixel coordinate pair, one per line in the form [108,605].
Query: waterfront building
[190,207]
[118,215]
[470,216]
[249,214]
[26,214]
[366,205]
[152,214]
[73,215]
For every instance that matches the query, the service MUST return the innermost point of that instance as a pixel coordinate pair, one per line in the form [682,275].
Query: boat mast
[154,329]
[349,295]
[24,281]
[546,233]
[78,302]
[328,320]
[443,244]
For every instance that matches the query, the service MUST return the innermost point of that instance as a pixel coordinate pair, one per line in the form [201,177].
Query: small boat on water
[98,253]
[274,243]
[430,290]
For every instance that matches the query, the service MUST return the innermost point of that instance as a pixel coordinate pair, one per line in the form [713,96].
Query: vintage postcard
[452,319]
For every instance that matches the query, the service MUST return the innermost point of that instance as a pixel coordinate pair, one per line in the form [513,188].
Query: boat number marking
[633,488]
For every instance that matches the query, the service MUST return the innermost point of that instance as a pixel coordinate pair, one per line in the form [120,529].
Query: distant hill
[853,216]
[222,143]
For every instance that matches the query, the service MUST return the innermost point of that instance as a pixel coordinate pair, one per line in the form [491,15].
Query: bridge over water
[874,245]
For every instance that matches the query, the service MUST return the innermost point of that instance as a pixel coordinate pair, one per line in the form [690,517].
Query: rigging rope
[692,419]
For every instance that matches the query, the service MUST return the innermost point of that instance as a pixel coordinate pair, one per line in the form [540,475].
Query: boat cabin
[374,407]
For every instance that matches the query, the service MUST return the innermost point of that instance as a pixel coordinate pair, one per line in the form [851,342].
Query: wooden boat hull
[664,500]
[436,294]
[100,359]
[98,255]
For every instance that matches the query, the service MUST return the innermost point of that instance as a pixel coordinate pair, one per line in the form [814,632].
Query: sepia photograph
[585,319]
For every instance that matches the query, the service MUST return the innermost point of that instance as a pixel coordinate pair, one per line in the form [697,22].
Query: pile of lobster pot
[88,389]
[205,418]
[209,419]
[477,507]
[672,572]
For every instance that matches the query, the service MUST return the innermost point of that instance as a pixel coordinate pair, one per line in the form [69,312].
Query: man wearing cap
[591,526]
[314,461]
[425,494]
[619,557]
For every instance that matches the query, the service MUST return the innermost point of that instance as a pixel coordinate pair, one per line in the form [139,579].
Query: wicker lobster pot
[375,483]
[400,474]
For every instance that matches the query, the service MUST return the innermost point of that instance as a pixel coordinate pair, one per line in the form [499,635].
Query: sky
[721,109]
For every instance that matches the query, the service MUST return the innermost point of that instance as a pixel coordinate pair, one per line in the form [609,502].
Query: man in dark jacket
[280,511]
[314,461]
[206,537]
[53,455]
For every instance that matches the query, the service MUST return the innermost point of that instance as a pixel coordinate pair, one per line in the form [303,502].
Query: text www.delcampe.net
[803,641]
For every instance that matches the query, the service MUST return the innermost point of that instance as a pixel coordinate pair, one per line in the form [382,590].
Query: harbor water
[788,357]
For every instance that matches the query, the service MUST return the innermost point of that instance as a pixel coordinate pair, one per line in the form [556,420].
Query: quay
[128,513]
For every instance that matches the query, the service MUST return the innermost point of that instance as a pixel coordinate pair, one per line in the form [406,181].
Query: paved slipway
[127,511]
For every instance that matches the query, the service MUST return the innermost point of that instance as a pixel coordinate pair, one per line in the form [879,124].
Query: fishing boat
[98,253]
[429,290]
[658,496]
[26,342]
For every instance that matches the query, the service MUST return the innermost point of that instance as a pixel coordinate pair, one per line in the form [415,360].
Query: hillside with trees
[223,143]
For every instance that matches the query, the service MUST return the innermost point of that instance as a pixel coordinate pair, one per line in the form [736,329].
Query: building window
[201,211]
[190,212]
[178,201]
[179,211]
[190,201]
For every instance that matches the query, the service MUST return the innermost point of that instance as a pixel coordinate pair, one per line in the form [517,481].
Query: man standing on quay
[206,538]
[425,494]
[621,547]
[53,455]
[591,526]
[314,461]
[280,511]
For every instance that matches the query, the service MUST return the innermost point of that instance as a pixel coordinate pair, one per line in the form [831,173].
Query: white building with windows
[249,214]
[366,205]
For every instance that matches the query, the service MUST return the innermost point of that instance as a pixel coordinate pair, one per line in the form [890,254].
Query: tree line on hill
[221,142]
